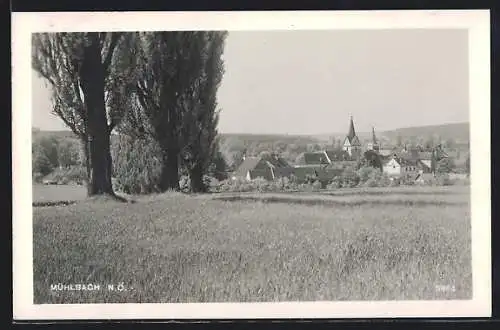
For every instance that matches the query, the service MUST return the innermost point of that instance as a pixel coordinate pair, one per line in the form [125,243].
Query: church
[351,150]
[352,144]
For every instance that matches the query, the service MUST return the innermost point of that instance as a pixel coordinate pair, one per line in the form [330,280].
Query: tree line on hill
[157,90]
[137,164]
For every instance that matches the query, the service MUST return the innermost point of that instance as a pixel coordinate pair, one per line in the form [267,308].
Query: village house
[325,157]
[326,164]
[411,162]
[400,167]
[269,168]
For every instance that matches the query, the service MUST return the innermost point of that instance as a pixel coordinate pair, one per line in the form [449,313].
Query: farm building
[269,168]
[321,173]
[316,158]
[400,167]
[386,152]
[325,157]
[338,156]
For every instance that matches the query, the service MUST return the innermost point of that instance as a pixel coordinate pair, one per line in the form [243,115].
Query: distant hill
[458,132]
[37,133]
[268,138]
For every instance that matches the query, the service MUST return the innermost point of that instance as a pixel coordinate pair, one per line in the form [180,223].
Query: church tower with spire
[373,145]
[351,142]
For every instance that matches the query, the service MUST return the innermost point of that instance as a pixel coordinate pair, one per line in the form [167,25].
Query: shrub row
[285,184]
[64,175]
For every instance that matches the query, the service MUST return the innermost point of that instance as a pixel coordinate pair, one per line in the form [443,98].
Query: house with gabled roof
[324,157]
[401,167]
[338,155]
[316,158]
[269,168]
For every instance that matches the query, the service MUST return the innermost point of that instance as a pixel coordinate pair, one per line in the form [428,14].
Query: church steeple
[351,133]
[373,145]
[374,138]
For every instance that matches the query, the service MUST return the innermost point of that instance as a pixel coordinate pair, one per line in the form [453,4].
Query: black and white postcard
[215,165]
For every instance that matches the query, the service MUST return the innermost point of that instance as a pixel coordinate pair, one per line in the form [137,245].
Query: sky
[311,82]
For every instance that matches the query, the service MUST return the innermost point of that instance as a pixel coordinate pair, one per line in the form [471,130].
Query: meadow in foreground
[255,248]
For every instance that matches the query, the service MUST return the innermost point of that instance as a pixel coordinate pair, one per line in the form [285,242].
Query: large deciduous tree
[90,74]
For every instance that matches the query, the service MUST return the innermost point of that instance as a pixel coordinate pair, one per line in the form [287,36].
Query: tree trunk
[86,161]
[100,157]
[92,75]
[169,177]
[196,177]
[169,141]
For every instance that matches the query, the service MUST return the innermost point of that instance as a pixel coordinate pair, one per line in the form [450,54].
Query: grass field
[365,244]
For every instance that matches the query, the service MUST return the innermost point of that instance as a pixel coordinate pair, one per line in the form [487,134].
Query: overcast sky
[310,82]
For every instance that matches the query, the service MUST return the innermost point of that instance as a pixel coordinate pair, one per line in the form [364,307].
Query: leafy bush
[210,182]
[384,180]
[407,181]
[395,182]
[316,186]
[305,187]
[41,163]
[286,184]
[445,165]
[350,177]
[366,173]
[38,177]
[68,151]
[335,183]
[45,157]
[136,165]
[218,167]
[185,183]
[444,180]
[372,183]
[69,175]
[260,185]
